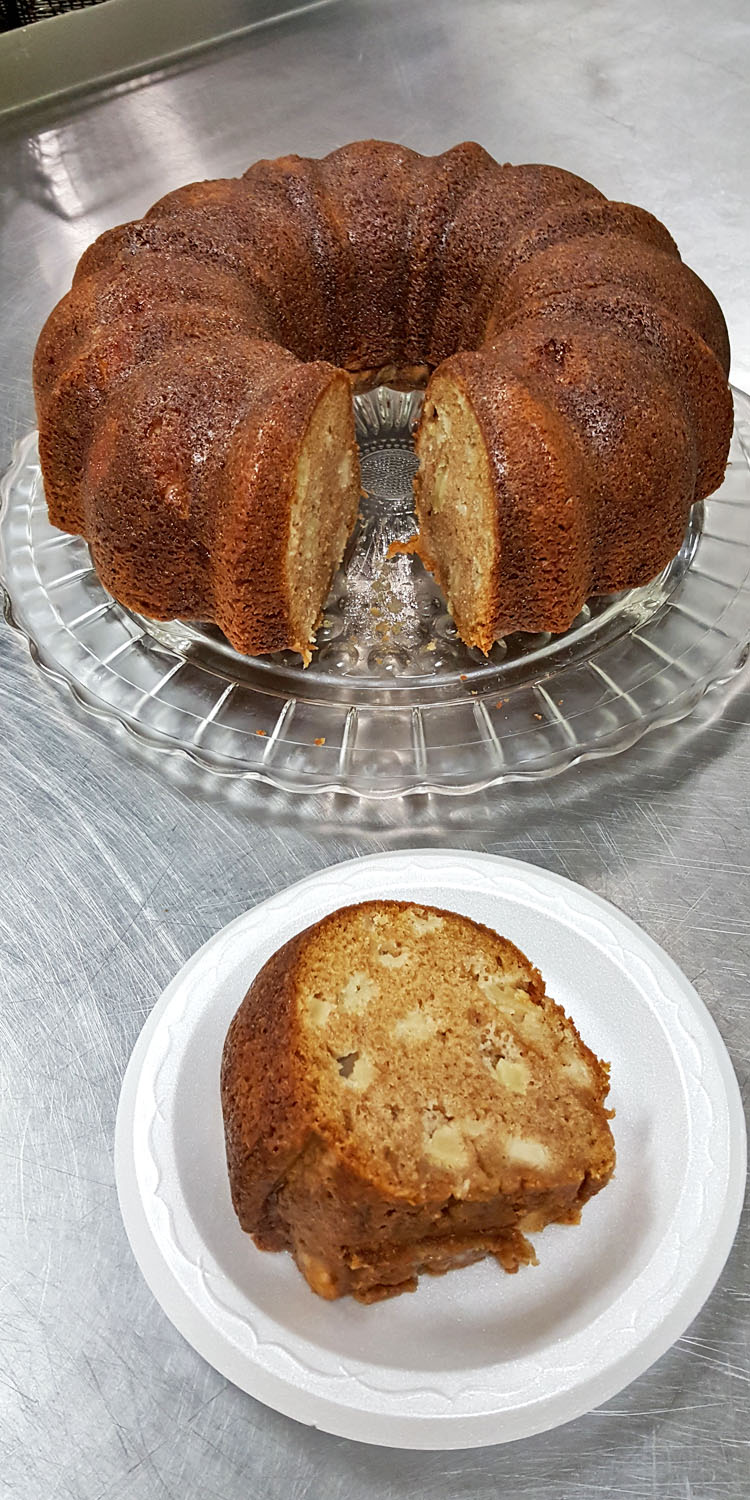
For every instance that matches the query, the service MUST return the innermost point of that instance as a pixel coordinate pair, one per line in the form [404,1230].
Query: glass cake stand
[392,702]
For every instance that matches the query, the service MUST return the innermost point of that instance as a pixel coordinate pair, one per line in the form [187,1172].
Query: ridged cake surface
[193,389]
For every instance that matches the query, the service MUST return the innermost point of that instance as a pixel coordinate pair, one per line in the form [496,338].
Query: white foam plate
[477,1356]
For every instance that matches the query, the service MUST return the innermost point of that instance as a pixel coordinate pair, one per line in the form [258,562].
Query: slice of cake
[400,1095]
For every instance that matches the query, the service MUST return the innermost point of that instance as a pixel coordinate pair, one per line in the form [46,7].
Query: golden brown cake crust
[173,532]
[361,1210]
[390,266]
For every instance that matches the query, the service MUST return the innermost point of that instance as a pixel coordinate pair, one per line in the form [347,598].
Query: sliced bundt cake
[193,389]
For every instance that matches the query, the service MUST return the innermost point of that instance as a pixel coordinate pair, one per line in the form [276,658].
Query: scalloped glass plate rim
[327,769]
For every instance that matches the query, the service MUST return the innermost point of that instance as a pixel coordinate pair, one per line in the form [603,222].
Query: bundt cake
[193,389]
[401,1096]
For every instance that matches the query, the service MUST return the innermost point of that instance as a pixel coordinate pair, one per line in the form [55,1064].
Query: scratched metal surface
[115,866]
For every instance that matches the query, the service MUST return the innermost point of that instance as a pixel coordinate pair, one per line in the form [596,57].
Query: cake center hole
[387,474]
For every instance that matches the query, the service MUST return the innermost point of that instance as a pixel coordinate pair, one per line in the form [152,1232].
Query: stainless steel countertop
[115,865]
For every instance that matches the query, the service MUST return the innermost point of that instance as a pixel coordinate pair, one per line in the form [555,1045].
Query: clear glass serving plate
[392,702]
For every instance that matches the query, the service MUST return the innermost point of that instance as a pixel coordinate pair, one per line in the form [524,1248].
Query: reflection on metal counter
[118,863]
